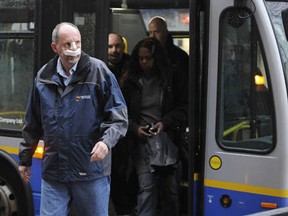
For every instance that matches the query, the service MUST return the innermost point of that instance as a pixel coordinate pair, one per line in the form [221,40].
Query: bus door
[246,112]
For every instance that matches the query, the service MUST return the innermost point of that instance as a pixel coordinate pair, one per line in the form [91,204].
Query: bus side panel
[252,202]
[249,168]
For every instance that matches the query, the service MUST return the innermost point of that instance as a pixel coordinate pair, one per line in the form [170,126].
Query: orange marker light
[268,205]
[39,152]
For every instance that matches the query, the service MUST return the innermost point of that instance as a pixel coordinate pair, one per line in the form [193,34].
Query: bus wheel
[15,195]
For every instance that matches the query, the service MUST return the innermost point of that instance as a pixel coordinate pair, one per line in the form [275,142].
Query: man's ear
[54,47]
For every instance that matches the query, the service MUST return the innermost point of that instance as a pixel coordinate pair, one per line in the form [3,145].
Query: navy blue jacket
[72,120]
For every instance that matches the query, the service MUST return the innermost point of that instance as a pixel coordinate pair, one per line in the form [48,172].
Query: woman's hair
[159,56]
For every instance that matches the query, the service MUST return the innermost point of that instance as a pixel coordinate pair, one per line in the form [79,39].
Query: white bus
[238,104]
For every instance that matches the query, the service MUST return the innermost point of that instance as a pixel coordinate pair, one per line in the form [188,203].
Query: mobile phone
[152,130]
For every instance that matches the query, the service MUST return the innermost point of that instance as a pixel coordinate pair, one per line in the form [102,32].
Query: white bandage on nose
[72,52]
[73,46]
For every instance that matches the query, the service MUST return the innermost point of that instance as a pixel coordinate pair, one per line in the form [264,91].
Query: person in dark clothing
[178,58]
[151,97]
[117,58]
[123,175]
[179,62]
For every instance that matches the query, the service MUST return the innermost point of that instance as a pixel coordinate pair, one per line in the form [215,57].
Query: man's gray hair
[55,33]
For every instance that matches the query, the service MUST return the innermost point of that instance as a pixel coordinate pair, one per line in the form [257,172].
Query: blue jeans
[90,198]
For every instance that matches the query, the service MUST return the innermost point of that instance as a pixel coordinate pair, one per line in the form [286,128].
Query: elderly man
[77,108]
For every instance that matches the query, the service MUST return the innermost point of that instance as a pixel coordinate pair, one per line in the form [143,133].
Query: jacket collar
[81,72]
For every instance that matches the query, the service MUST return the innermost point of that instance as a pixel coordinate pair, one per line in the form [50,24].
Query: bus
[238,104]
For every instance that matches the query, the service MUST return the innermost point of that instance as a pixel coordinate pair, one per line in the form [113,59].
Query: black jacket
[174,108]
[179,62]
[119,69]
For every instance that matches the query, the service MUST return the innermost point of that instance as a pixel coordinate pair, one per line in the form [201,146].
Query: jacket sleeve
[32,129]
[131,106]
[115,122]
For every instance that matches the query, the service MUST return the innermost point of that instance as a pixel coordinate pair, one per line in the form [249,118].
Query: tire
[15,196]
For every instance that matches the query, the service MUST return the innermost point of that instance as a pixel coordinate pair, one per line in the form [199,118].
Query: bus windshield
[278,12]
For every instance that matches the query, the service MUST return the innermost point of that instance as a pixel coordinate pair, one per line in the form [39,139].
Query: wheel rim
[8,205]
[15,196]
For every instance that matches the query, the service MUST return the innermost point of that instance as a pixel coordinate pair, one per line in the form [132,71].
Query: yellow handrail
[234,129]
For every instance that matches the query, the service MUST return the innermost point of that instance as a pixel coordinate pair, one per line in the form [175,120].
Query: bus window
[182,42]
[16,60]
[14,13]
[245,120]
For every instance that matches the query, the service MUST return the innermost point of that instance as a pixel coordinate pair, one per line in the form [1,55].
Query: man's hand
[25,173]
[99,151]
